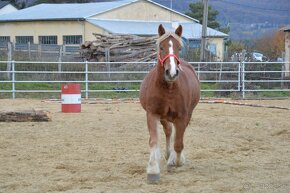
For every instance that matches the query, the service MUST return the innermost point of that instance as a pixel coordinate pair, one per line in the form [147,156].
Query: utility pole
[204,29]
[170,11]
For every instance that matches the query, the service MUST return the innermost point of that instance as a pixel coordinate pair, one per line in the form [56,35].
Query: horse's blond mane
[166,35]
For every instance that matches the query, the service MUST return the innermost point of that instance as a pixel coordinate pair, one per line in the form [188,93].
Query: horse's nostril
[177,72]
[167,72]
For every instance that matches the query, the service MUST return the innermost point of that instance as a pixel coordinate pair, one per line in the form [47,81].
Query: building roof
[71,11]
[68,11]
[3,3]
[191,30]
[286,28]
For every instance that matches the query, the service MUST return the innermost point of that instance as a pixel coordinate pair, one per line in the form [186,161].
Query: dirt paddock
[228,148]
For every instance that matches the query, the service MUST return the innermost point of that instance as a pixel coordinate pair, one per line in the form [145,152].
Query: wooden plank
[25,116]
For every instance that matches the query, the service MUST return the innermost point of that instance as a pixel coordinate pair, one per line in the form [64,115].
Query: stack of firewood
[119,48]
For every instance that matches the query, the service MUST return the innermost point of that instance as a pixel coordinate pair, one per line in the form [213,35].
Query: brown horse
[169,93]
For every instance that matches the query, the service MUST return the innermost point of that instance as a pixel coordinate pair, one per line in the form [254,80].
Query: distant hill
[247,19]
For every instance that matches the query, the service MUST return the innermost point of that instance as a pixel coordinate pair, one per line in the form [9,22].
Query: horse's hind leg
[167,127]
[176,157]
[153,169]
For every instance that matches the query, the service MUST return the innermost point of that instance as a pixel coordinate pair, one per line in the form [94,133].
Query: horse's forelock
[166,35]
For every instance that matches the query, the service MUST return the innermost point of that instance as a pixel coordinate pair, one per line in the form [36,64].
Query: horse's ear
[178,31]
[161,30]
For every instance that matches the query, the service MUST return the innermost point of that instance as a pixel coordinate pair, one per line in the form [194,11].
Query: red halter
[162,61]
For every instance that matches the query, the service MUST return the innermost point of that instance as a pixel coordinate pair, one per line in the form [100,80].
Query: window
[194,43]
[47,39]
[24,39]
[72,39]
[4,39]
[212,48]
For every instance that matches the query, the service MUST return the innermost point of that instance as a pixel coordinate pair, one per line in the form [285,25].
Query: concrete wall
[41,28]
[219,42]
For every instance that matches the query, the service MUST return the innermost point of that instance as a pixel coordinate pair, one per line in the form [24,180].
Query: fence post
[108,64]
[39,50]
[63,50]
[9,59]
[59,59]
[198,71]
[13,79]
[243,79]
[282,75]
[221,70]
[87,79]
[29,50]
[239,77]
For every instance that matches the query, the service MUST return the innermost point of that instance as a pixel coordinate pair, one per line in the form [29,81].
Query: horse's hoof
[153,178]
[170,168]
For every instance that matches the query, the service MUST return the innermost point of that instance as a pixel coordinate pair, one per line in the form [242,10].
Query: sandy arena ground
[105,149]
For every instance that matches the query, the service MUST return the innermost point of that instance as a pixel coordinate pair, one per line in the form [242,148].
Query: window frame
[4,39]
[72,39]
[24,39]
[47,40]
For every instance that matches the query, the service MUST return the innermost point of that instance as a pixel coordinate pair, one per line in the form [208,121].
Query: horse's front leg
[177,157]
[153,169]
[167,127]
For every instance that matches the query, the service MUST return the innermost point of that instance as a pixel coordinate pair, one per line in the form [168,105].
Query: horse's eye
[161,49]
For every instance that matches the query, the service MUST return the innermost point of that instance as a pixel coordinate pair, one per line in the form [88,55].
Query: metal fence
[39,52]
[40,48]
[239,79]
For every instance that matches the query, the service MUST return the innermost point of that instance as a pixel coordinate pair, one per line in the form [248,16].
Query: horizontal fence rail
[222,78]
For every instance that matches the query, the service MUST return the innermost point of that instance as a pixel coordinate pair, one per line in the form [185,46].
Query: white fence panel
[222,77]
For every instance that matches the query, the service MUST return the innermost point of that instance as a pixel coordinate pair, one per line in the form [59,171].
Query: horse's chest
[168,109]
[171,114]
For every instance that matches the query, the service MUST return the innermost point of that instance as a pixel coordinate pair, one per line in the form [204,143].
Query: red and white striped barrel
[71,98]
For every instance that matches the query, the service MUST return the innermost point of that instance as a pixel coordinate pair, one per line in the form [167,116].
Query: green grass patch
[208,86]
[273,94]
[110,90]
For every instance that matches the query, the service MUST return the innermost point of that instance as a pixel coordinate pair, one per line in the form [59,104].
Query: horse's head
[169,45]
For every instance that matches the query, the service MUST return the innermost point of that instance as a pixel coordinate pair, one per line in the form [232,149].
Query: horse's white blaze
[172,61]
[153,165]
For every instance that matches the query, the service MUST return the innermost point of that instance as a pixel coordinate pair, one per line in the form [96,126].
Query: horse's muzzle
[169,77]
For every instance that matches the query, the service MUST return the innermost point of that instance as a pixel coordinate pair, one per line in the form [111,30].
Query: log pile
[119,48]
[25,116]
